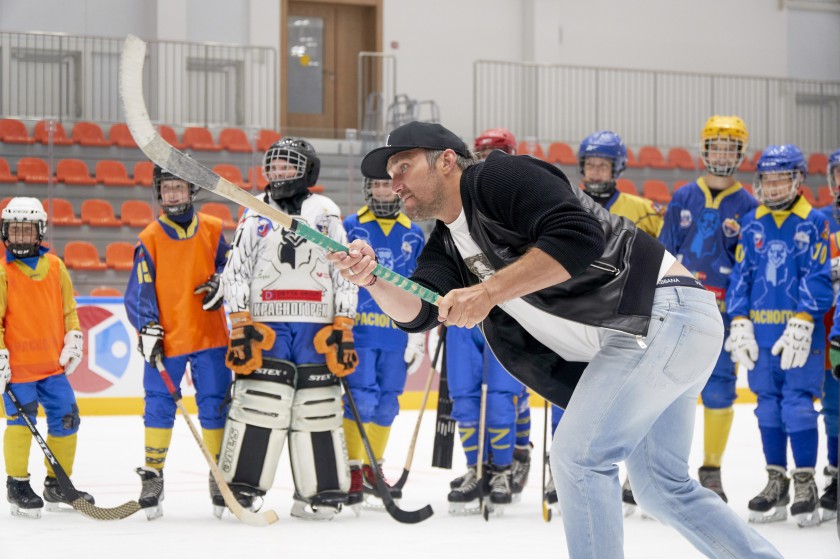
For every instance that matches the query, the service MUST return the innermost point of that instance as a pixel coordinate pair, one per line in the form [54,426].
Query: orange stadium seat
[809,195]
[240,212]
[89,134]
[232,174]
[168,134]
[5,172]
[266,138]
[81,255]
[136,213]
[317,189]
[626,185]
[61,212]
[656,191]
[234,139]
[200,139]
[3,203]
[679,184]
[13,131]
[256,178]
[33,170]
[534,149]
[104,291]
[631,160]
[824,196]
[120,256]
[73,171]
[111,172]
[120,135]
[748,187]
[99,213]
[650,156]
[144,172]
[561,153]
[747,165]
[817,164]
[679,158]
[60,138]
[217,209]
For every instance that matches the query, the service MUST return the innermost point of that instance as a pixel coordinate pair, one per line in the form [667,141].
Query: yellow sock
[64,450]
[378,436]
[213,440]
[157,445]
[17,440]
[355,447]
[716,426]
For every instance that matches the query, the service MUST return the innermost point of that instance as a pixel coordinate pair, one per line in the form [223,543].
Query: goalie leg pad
[258,420]
[317,447]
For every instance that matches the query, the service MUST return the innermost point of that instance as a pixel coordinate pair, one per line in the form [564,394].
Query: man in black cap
[580,306]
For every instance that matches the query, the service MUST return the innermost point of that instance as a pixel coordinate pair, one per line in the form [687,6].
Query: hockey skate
[501,493]
[356,496]
[550,495]
[151,495]
[710,479]
[804,506]
[247,496]
[372,500]
[463,499]
[24,502]
[322,506]
[828,501]
[771,504]
[520,471]
[54,499]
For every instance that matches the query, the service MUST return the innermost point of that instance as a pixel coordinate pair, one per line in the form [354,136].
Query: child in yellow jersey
[40,344]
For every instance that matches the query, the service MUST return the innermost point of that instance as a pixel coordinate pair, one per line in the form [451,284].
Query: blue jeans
[638,404]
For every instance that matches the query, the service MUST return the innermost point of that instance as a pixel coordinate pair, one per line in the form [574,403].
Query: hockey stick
[444,424]
[246,516]
[401,482]
[67,489]
[398,514]
[546,511]
[177,163]
[479,467]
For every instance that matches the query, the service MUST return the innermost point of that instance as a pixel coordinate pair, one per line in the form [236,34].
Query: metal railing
[72,78]
[566,103]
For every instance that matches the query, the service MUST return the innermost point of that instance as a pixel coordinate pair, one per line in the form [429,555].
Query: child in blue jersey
[831,387]
[701,230]
[386,353]
[779,291]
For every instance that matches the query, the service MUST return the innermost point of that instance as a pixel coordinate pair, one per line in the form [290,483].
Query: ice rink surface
[111,447]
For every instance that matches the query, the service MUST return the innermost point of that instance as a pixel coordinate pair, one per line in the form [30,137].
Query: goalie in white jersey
[285,299]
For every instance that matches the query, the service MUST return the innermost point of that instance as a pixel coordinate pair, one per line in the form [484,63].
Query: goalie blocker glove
[151,342]
[741,343]
[247,340]
[795,343]
[71,353]
[213,295]
[336,343]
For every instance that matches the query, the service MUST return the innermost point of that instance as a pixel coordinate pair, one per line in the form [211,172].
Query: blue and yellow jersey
[644,213]
[37,309]
[170,261]
[782,269]
[701,229]
[397,243]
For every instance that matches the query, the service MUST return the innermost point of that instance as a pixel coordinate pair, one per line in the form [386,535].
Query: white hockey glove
[213,293]
[5,371]
[795,343]
[835,275]
[151,342]
[71,353]
[415,351]
[741,344]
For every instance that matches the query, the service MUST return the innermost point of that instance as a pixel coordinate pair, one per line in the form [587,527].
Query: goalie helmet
[24,226]
[606,145]
[384,207]
[290,166]
[833,172]
[724,144]
[779,173]
[492,139]
[180,206]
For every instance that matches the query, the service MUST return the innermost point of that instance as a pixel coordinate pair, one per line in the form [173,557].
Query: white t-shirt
[571,340]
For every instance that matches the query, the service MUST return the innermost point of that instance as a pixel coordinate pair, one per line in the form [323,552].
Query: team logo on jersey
[758,241]
[263,227]
[685,219]
[731,227]
[107,352]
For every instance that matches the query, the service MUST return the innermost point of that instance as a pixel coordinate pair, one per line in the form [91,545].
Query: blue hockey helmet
[787,165]
[607,145]
[833,170]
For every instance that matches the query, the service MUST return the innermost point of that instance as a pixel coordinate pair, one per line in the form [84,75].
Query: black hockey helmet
[290,166]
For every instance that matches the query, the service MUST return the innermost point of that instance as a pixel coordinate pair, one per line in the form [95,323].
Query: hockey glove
[415,351]
[336,343]
[741,344]
[247,340]
[71,353]
[213,293]
[834,356]
[151,342]
[5,371]
[795,343]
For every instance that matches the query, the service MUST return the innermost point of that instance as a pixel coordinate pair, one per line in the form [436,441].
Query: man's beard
[424,211]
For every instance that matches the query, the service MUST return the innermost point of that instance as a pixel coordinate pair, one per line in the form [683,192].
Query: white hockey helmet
[23,210]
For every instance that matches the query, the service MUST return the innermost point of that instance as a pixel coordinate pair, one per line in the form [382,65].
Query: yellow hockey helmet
[724,144]
[727,127]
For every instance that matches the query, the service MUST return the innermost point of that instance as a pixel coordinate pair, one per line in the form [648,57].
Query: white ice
[111,447]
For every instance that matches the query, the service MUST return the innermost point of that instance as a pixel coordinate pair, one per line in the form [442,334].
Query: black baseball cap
[426,135]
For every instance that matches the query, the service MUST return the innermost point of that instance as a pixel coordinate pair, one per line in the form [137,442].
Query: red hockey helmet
[495,138]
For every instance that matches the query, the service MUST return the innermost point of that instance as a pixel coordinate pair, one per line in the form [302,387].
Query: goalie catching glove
[795,343]
[247,340]
[213,294]
[741,343]
[336,343]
